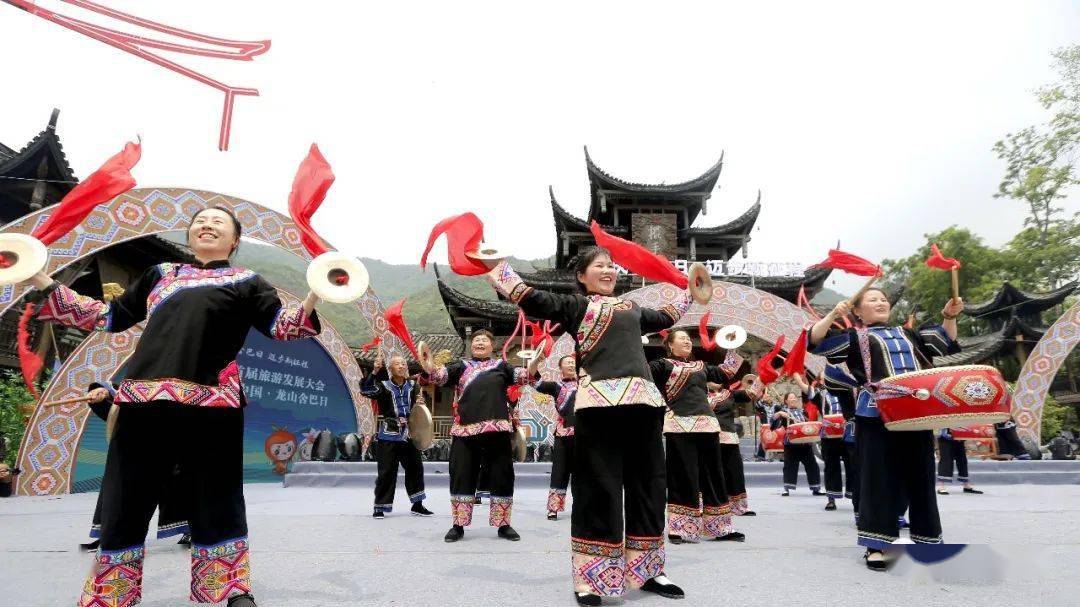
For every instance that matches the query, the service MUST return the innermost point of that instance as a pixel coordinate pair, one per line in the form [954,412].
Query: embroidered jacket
[563,392]
[725,406]
[197,318]
[892,350]
[683,384]
[607,331]
[480,385]
[395,403]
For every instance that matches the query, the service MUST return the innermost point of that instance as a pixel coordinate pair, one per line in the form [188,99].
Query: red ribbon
[707,341]
[766,372]
[939,261]
[796,358]
[638,259]
[371,344]
[313,178]
[464,233]
[396,321]
[846,262]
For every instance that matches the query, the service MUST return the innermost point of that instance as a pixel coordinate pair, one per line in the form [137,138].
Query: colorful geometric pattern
[488,425]
[680,374]
[220,571]
[597,319]
[717,521]
[225,394]
[116,579]
[47,454]
[676,424]
[739,504]
[292,323]
[598,567]
[644,559]
[176,277]
[1042,365]
[499,509]
[618,391]
[71,309]
[461,507]
[556,501]
[684,521]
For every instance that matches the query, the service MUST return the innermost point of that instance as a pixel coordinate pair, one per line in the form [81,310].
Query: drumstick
[68,401]
[863,289]
[955,284]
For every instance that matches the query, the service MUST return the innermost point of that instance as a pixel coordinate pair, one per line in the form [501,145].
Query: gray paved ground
[321,547]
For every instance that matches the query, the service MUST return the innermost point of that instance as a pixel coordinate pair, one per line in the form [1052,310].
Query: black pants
[801,454]
[493,451]
[619,475]
[391,454]
[172,509]
[950,451]
[150,440]
[562,462]
[698,504]
[734,477]
[841,483]
[895,468]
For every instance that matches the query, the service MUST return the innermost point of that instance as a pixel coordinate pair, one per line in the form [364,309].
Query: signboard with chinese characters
[656,232]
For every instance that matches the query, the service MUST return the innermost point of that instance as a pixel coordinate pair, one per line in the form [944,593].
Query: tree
[1040,261]
[13,400]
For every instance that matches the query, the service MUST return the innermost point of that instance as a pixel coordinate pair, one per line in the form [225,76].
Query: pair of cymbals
[487,253]
[730,337]
[337,277]
[21,256]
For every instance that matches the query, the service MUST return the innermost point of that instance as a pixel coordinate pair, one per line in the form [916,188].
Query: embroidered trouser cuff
[461,507]
[220,571]
[499,510]
[556,501]
[115,580]
[716,521]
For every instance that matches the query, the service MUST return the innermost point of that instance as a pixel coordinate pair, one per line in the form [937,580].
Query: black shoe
[584,598]
[903,522]
[675,539]
[970,490]
[507,532]
[734,536]
[456,533]
[749,513]
[89,546]
[942,492]
[418,509]
[242,600]
[817,492]
[553,516]
[786,493]
[663,586]
[477,500]
[185,540]
[877,564]
[378,514]
[831,505]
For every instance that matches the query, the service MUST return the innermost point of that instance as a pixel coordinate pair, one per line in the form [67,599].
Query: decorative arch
[48,449]
[762,314]
[1038,372]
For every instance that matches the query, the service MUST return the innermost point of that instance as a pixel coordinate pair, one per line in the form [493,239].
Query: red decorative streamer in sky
[313,179]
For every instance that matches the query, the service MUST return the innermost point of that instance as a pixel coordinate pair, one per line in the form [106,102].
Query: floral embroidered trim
[226,394]
[220,571]
[644,560]
[618,391]
[716,524]
[644,542]
[177,277]
[684,522]
[507,282]
[73,310]
[596,548]
[488,425]
[599,575]
[292,323]
[116,580]
[678,424]
[461,507]
[677,308]
[499,509]
[597,319]
[439,376]
[680,374]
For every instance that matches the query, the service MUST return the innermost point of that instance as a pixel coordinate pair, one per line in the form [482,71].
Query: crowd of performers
[648,450]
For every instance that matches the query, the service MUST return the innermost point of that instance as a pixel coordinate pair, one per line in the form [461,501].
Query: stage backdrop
[293,389]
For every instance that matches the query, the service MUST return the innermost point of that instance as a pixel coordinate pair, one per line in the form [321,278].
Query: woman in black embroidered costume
[618,429]
[562,455]
[894,467]
[792,411]
[726,404]
[697,500]
[182,381]
[483,425]
[836,452]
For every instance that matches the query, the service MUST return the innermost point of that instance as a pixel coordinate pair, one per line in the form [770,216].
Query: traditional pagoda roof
[1011,301]
[730,237]
[691,194]
[982,348]
[42,159]
[466,311]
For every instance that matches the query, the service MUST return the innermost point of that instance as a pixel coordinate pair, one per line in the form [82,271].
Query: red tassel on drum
[396,321]
[638,259]
[464,233]
[796,358]
[707,341]
[939,261]
[846,262]
[313,179]
[766,372]
[29,361]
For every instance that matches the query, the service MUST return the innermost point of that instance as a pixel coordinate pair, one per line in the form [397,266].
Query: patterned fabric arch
[762,314]
[1033,384]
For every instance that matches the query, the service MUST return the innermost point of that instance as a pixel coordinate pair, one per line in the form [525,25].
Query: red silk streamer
[804,303]
[664,333]
[396,321]
[638,259]
[707,341]
[796,358]
[513,393]
[371,344]
[766,372]
[939,261]
[464,233]
[138,44]
[108,182]
[313,178]
[846,262]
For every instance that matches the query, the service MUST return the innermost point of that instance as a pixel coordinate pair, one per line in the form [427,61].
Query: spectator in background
[7,480]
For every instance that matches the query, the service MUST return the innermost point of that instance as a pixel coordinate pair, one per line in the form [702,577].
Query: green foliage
[1038,261]
[13,395]
[1055,418]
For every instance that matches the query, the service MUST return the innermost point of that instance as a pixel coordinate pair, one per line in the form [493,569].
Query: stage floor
[321,547]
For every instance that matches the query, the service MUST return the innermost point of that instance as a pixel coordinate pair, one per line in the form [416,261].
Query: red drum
[833,426]
[803,433]
[973,433]
[772,440]
[947,397]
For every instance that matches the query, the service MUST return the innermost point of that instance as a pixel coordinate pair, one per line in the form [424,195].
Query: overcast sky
[866,122]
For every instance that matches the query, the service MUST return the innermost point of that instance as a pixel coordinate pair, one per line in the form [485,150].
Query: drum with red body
[973,433]
[833,427]
[946,397]
[803,433]
[772,440]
